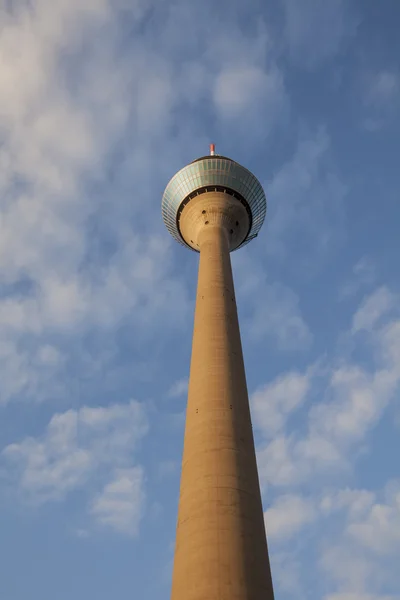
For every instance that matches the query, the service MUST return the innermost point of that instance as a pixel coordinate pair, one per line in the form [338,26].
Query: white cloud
[120,504]
[276,463]
[273,309]
[346,568]
[306,199]
[179,388]
[288,515]
[276,313]
[356,502]
[286,571]
[363,275]
[384,88]
[354,399]
[357,404]
[84,122]
[356,533]
[83,127]
[305,220]
[273,403]
[373,307]
[316,31]
[328,520]
[358,399]
[287,461]
[116,290]
[360,558]
[69,305]
[380,95]
[359,596]
[365,269]
[49,355]
[30,374]
[81,533]
[379,530]
[291,512]
[85,259]
[241,90]
[79,447]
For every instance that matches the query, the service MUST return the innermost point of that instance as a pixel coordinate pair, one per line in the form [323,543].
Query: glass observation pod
[211,173]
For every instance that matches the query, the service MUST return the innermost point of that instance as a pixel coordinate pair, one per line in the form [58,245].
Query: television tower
[214,206]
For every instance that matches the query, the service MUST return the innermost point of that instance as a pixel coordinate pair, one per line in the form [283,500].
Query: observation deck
[210,174]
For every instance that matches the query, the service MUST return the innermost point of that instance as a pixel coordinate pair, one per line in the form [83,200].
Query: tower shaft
[221,549]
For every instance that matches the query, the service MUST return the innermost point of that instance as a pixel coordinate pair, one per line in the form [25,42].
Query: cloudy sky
[100,103]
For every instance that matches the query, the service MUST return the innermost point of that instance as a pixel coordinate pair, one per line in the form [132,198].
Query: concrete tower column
[221,549]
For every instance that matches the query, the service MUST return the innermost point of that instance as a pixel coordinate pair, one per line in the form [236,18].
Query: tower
[214,206]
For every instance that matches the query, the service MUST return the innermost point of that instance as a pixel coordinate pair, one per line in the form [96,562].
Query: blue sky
[100,103]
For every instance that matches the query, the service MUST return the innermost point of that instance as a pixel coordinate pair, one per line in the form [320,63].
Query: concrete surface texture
[221,548]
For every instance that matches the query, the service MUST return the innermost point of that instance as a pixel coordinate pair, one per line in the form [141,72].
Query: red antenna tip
[212,149]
